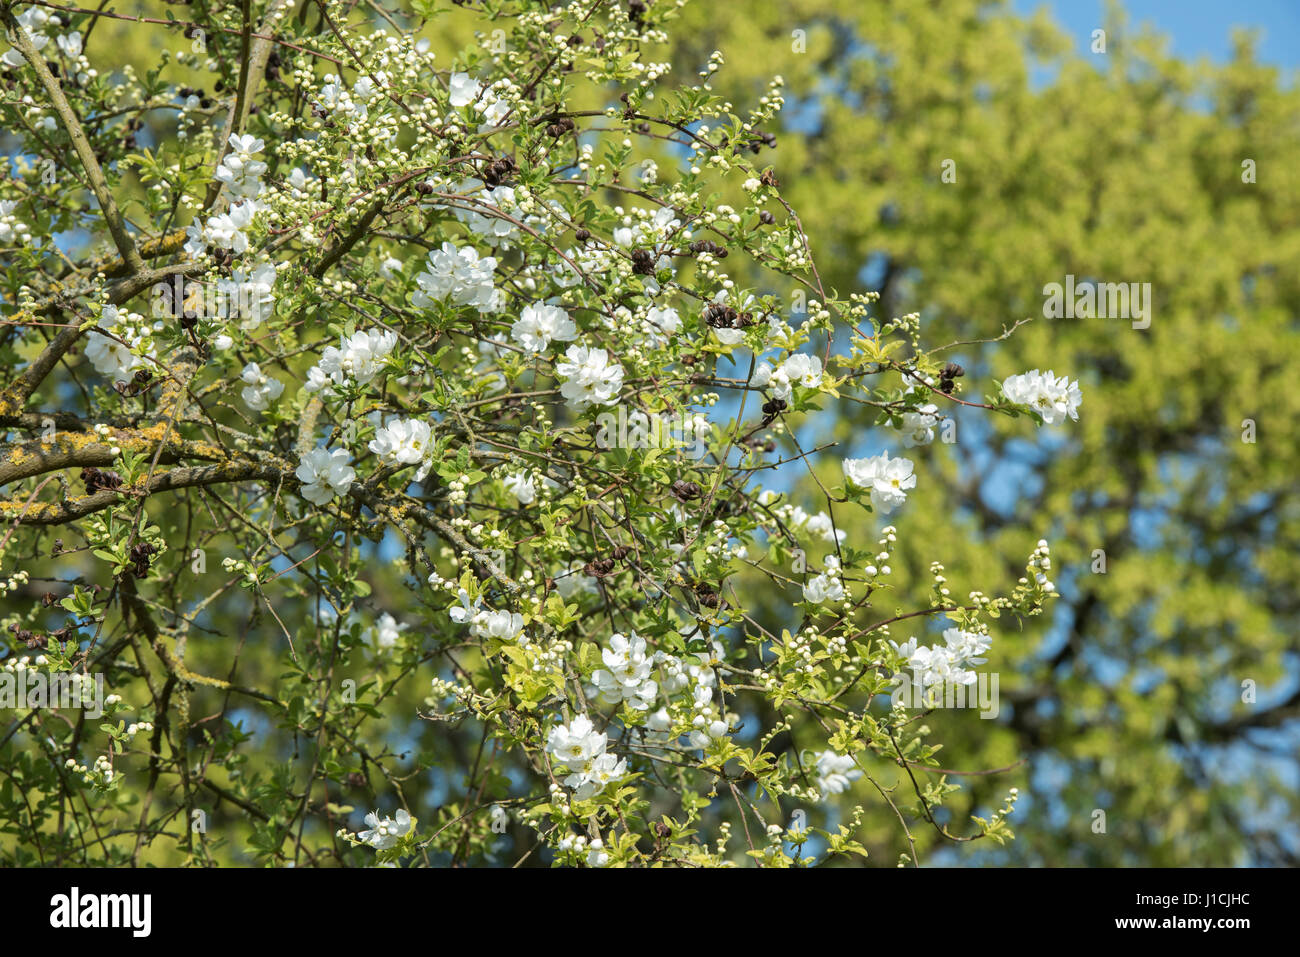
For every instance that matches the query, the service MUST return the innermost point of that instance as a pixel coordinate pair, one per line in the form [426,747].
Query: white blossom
[1050,397]
[260,390]
[592,378]
[538,325]
[887,479]
[324,473]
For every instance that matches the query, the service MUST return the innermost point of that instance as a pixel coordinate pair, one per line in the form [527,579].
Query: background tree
[1127,166]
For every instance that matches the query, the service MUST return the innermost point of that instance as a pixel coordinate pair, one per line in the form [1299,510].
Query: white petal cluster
[1050,397]
[486,623]
[240,170]
[31,20]
[247,295]
[11,229]
[952,662]
[117,360]
[823,588]
[385,632]
[457,275]
[580,748]
[626,675]
[385,833]
[592,378]
[495,229]
[357,358]
[325,473]
[522,487]
[228,230]
[404,442]
[887,479]
[919,425]
[466,91]
[538,325]
[798,369]
[335,98]
[661,324]
[260,390]
[835,772]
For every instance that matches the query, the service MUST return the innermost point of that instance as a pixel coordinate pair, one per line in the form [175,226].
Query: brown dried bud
[600,568]
[98,479]
[685,491]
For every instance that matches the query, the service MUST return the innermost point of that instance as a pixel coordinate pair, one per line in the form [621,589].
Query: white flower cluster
[650,232]
[241,173]
[334,97]
[247,295]
[260,390]
[385,632]
[580,748]
[626,675]
[594,849]
[1042,561]
[466,91]
[835,772]
[117,360]
[497,230]
[37,24]
[404,442]
[228,230]
[887,479]
[826,586]
[1050,397]
[538,325]
[950,663]
[239,169]
[325,473]
[382,834]
[798,369]
[458,275]
[796,519]
[486,623]
[357,358]
[11,230]
[919,425]
[100,775]
[694,684]
[660,325]
[522,487]
[592,378]
[776,329]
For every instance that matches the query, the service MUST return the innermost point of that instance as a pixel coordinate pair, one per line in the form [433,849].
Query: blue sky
[1195,27]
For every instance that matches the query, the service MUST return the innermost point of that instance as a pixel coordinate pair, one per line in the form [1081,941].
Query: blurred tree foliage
[1125,166]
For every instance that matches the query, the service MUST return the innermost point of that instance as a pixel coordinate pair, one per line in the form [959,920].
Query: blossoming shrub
[384,431]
